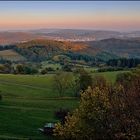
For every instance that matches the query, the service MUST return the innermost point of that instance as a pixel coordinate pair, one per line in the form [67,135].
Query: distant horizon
[88,29]
[95,15]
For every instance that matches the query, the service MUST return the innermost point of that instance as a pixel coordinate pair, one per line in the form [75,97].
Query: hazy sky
[91,14]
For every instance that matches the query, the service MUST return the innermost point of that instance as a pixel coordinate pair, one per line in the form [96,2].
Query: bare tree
[62,82]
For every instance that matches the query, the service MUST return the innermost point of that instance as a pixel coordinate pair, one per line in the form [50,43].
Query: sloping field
[28,103]
[11,55]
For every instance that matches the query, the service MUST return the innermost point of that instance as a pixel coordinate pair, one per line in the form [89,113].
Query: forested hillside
[42,49]
[120,47]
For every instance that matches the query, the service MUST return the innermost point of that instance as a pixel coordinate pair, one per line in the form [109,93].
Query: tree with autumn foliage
[105,112]
[89,120]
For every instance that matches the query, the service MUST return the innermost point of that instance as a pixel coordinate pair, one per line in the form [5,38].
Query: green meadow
[29,101]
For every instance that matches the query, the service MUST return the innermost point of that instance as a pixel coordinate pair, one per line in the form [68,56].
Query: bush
[67,68]
[105,69]
[61,114]
[25,69]
[44,71]
[49,69]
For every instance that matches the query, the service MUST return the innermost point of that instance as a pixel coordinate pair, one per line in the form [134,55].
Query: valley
[69,70]
[40,76]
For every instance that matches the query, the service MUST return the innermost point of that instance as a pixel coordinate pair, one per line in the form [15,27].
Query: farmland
[29,101]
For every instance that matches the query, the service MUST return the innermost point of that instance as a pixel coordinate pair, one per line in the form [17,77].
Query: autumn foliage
[106,111]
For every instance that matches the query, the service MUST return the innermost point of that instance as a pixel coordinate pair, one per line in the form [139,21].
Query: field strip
[5,137]
[43,98]
[23,85]
[24,108]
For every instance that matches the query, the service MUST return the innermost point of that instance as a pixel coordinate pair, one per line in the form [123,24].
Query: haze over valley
[74,35]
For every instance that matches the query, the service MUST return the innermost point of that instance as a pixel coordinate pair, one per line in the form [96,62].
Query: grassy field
[29,102]
[110,76]
[54,66]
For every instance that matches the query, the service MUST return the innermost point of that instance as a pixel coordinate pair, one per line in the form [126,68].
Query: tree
[50,69]
[99,81]
[67,68]
[6,68]
[44,71]
[105,112]
[25,69]
[88,121]
[85,79]
[123,62]
[20,69]
[30,70]
[75,85]
[2,68]
[62,82]
[126,106]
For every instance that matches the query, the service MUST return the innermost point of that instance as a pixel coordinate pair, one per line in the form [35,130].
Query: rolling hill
[14,37]
[44,49]
[120,47]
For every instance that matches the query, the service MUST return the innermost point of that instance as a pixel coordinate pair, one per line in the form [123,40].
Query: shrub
[61,114]
[105,69]
[44,71]
[67,68]
[49,69]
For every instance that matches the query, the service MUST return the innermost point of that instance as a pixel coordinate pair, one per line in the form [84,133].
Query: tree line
[64,82]
[124,62]
[9,68]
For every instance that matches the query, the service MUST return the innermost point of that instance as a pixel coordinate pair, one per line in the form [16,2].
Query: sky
[113,15]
